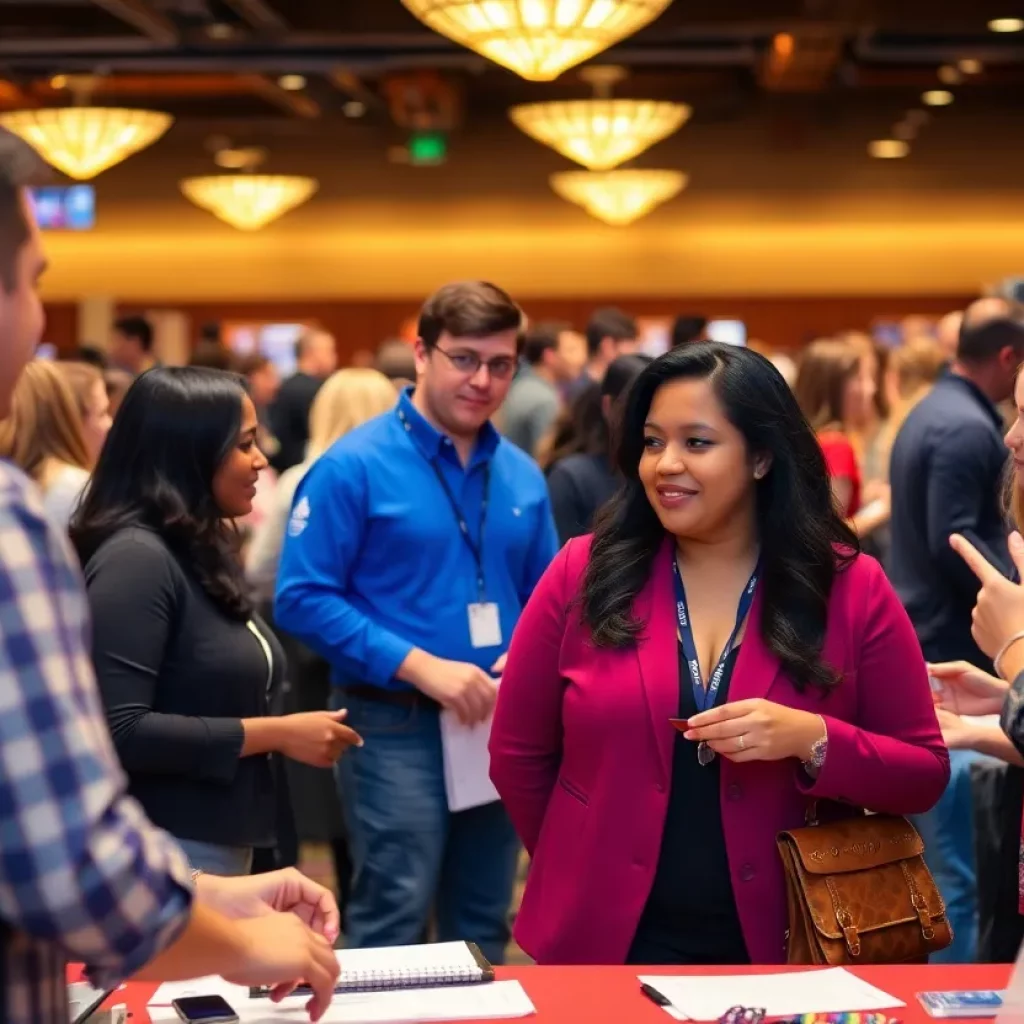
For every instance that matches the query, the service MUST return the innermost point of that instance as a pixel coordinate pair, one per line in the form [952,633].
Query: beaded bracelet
[997,660]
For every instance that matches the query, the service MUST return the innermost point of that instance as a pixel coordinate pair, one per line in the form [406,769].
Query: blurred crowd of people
[303,595]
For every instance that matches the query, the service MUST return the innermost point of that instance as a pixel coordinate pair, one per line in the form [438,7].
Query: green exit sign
[427,148]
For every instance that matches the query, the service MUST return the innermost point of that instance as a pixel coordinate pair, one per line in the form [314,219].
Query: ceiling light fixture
[354,108]
[248,201]
[949,75]
[84,141]
[537,39]
[888,149]
[240,158]
[937,98]
[970,66]
[1006,25]
[292,83]
[618,197]
[603,132]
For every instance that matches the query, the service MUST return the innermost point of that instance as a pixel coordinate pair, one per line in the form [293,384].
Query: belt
[410,698]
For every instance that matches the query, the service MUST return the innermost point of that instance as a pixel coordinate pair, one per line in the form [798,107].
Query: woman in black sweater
[185,666]
[580,474]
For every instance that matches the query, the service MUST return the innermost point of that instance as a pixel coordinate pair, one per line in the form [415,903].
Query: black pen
[655,996]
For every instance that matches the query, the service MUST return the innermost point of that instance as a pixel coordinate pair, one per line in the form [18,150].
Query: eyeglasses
[500,367]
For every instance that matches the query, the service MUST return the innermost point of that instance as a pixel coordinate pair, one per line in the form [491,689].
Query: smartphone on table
[204,1010]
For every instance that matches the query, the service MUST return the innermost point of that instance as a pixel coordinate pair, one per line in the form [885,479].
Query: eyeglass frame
[475,358]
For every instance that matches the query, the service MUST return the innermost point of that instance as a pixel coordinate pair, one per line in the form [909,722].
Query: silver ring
[743,743]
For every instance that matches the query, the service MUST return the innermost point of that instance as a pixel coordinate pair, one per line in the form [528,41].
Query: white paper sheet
[355,963]
[467,763]
[211,986]
[782,995]
[498,1000]
[1012,1011]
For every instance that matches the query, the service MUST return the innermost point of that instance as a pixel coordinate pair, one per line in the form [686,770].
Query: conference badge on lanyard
[704,697]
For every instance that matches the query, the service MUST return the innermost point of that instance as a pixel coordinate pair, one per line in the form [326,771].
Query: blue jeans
[410,854]
[948,834]
[218,860]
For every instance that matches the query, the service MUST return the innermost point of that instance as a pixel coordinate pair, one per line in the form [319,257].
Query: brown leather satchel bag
[859,893]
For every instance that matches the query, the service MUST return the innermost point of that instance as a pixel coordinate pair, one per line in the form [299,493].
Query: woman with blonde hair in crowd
[309,809]
[835,388]
[44,436]
[913,368]
[347,399]
[90,390]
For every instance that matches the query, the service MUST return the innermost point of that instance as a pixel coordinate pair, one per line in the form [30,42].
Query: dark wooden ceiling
[215,65]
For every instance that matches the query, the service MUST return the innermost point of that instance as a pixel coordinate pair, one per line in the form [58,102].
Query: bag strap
[811,814]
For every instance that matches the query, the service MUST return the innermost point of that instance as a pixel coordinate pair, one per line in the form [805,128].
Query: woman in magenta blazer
[720,587]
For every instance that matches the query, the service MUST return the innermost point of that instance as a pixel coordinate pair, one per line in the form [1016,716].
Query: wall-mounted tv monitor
[729,332]
[275,341]
[65,209]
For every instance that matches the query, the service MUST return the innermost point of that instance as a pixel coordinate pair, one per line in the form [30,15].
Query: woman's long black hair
[175,427]
[804,540]
[583,428]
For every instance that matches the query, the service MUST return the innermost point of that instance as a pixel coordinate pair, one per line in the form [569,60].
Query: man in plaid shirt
[83,874]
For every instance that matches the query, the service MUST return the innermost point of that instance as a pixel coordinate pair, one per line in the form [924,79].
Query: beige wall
[341,250]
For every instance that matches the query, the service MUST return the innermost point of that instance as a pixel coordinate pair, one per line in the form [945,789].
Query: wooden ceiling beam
[350,84]
[259,15]
[295,103]
[141,16]
[13,97]
[158,85]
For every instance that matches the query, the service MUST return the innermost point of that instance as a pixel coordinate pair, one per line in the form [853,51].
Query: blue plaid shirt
[83,875]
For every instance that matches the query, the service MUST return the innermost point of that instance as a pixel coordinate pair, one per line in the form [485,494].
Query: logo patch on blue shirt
[300,518]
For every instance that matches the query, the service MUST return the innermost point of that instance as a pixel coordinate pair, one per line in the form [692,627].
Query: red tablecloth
[610,995]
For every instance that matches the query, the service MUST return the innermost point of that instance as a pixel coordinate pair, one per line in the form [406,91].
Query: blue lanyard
[476,547]
[705,699]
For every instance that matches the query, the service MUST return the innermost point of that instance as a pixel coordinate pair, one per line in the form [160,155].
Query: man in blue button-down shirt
[413,545]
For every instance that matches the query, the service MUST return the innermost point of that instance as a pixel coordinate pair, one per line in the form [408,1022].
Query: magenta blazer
[581,753]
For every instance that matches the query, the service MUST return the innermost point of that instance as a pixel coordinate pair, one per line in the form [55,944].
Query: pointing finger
[974,558]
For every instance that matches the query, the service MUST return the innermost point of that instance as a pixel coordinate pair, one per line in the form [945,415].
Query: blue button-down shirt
[374,563]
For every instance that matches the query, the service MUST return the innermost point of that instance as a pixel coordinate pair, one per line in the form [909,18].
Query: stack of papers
[498,1000]
[834,990]
[467,763]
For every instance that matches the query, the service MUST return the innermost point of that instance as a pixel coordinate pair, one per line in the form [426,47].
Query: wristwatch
[818,752]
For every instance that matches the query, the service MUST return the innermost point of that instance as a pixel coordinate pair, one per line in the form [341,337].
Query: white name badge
[484,625]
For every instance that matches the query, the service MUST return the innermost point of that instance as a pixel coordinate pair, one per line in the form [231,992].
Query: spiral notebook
[398,967]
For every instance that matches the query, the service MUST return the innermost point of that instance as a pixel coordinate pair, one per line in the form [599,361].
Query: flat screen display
[728,332]
[65,209]
[274,341]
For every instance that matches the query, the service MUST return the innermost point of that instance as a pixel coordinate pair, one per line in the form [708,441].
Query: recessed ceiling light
[916,117]
[888,149]
[949,75]
[220,30]
[242,158]
[354,108]
[937,98]
[59,82]
[904,130]
[292,83]
[1006,25]
[970,66]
